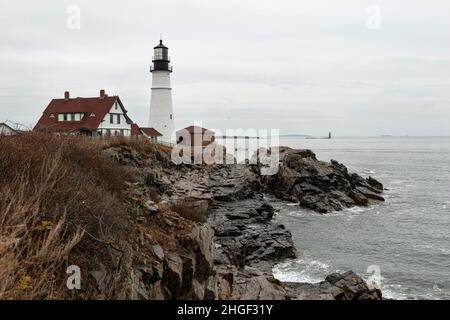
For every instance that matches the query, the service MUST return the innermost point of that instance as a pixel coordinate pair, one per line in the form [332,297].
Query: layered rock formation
[320,186]
[139,226]
[232,257]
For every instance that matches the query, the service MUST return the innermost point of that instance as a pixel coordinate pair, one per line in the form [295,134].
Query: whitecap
[293,276]
[304,270]
[394,292]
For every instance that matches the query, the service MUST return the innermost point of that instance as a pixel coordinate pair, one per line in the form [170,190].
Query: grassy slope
[62,202]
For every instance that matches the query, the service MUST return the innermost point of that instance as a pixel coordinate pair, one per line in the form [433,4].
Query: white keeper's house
[100,116]
[6,130]
[105,116]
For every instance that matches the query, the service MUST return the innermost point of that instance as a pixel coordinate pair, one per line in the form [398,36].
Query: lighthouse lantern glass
[161,54]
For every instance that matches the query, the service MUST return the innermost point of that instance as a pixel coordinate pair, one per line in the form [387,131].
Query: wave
[302,270]
[309,270]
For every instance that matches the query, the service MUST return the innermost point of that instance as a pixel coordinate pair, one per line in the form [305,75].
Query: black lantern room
[161,58]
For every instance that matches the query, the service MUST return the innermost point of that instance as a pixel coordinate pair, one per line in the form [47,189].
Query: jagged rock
[158,251]
[138,289]
[173,274]
[346,286]
[101,276]
[250,286]
[353,286]
[317,185]
[211,288]
[376,184]
[247,235]
[232,255]
[369,194]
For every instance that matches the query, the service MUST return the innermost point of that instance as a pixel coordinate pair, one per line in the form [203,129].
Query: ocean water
[403,245]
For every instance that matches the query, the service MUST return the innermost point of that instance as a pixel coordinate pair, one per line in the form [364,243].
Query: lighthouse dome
[160,45]
[161,59]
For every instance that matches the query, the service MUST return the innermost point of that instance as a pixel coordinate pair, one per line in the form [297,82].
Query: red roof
[135,130]
[151,132]
[95,110]
[195,129]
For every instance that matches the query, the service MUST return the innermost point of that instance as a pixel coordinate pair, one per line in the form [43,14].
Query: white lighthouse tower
[161,109]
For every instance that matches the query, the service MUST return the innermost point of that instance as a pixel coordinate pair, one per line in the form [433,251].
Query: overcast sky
[300,66]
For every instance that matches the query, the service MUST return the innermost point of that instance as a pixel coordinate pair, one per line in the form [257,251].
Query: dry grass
[140,145]
[59,196]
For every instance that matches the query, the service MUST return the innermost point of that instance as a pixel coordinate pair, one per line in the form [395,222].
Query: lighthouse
[161,109]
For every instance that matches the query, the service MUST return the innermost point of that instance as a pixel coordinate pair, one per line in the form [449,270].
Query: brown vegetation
[54,191]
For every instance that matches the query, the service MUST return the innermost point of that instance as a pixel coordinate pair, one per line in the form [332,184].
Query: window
[170,117]
[65,117]
[118,119]
[52,115]
[111,118]
[116,106]
[161,54]
[72,117]
[158,54]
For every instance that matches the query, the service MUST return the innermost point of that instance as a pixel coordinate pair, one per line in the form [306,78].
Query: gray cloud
[303,66]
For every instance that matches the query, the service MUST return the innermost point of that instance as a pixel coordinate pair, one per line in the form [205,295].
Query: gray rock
[138,290]
[319,186]
[173,274]
[346,286]
[158,251]
[102,277]
[151,206]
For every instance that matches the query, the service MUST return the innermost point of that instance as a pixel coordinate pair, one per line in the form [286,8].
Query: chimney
[66,95]
[102,94]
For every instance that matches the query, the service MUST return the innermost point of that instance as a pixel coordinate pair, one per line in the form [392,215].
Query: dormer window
[51,115]
[92,115]
[72,117]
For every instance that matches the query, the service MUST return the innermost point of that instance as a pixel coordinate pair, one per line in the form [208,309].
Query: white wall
[5,130]
[114,126]
[161,109]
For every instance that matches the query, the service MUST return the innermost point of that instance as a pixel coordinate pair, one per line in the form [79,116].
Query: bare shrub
[32,247]
[61,203]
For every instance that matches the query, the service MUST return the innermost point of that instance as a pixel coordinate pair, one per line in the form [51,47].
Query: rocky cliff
[228,203]
[140,227]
